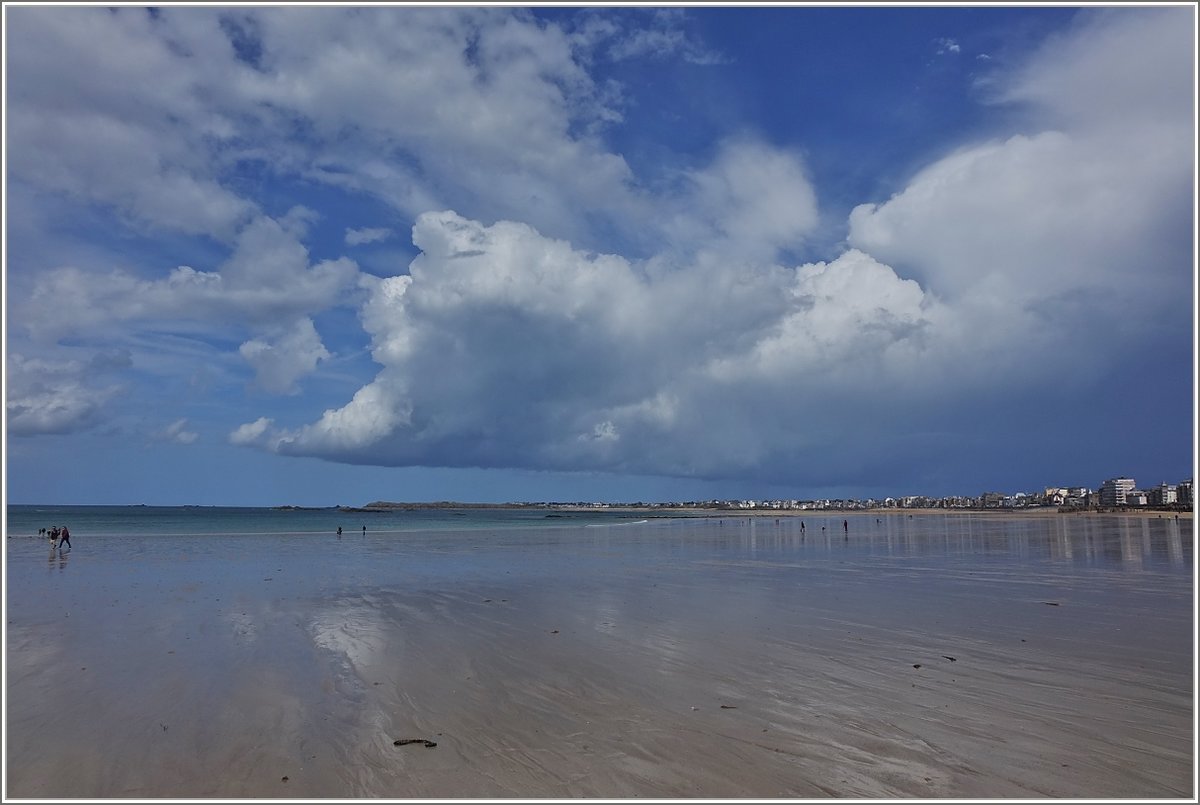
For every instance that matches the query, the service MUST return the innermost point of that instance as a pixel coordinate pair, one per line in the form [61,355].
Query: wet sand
[717,659]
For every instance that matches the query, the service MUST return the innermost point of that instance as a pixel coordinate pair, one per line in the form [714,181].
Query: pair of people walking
[59,536]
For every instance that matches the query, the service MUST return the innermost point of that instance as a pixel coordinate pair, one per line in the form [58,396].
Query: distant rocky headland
[390,506]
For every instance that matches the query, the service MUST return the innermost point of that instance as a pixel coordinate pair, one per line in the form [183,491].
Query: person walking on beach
[846,526]
[64,537]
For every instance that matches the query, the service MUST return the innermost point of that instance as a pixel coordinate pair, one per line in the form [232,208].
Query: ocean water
[158,521]
[1056,543]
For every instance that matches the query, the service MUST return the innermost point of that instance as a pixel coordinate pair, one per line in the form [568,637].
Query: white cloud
[947,46]
[1072,230]
[366,422]
[408,104]
[291,354]
[853,316]
[506,348]
[665,36]
[512,341]
[358,237]
[752,200]
[178,433]
[252,433]
[58,396]
[111,106]
[266,281]
[1113,68]
[158,114]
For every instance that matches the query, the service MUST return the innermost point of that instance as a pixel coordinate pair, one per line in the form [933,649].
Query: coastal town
[1114,494]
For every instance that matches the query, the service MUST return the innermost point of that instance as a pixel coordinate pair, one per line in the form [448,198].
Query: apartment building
[1114,491]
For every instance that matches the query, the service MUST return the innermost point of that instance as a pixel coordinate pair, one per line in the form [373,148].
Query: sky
[267,255]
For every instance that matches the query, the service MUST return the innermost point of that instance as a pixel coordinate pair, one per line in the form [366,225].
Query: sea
[1158,543]
[235,521]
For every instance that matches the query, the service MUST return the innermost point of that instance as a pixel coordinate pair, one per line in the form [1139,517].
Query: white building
[1163,495]
[1113,492]
[1056,495]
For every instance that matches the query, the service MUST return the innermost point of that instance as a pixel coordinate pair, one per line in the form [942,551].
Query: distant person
[801,525]
[364,531]
[64,537]
[846,526]
[53,537]
[339,531]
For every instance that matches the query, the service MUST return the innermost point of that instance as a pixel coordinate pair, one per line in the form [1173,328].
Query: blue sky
[260,255]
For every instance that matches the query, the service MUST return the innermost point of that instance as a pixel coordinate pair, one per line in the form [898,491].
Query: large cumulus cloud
[1079,216]
[505,347]
[172,121]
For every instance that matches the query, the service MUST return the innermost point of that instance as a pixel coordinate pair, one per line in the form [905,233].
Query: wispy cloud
[945,46]
[177,433]
[358,237]
[661,34]
[47,396]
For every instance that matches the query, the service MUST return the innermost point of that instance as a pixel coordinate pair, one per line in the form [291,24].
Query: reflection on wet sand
[1090,540]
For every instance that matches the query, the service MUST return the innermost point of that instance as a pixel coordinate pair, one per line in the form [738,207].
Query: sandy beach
[668,659]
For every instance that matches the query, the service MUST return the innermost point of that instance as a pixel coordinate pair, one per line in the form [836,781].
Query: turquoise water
[25,520]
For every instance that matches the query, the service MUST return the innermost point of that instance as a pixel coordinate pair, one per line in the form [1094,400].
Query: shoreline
[667,509]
